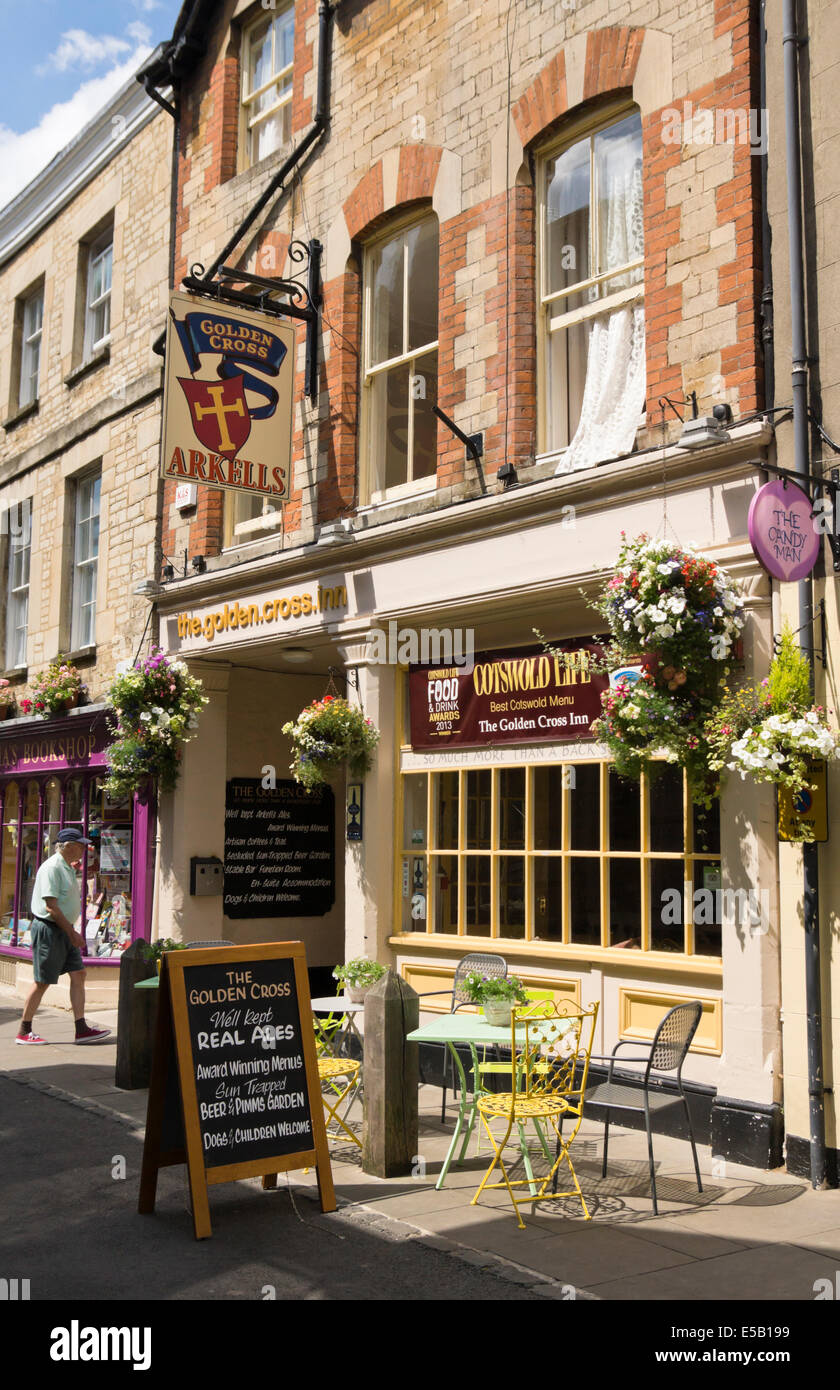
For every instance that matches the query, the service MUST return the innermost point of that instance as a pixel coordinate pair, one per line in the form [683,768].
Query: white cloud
[27,152]
[79,49]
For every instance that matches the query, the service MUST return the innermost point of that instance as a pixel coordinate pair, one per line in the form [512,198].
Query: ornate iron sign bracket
[298,301]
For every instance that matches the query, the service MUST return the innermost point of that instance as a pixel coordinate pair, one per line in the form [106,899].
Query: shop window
[267,65]
[591,293]
[19,524]
[400,333]
[85,561]
[565,853]
[29,835]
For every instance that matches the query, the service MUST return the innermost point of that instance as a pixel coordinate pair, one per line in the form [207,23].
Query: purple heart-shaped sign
[782,531]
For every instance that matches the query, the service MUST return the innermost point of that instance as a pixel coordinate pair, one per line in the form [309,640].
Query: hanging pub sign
[228,398]
[518,696]
[234,1091]
[781,528]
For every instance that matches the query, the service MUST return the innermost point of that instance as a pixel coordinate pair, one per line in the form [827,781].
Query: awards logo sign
[228,398]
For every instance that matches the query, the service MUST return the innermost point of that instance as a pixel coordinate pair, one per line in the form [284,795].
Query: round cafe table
[334,1042]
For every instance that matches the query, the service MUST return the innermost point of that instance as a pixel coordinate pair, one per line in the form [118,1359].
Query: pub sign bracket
[303,301]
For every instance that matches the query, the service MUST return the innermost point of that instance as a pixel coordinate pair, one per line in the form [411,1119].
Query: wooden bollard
[391,1077]
[135,1020]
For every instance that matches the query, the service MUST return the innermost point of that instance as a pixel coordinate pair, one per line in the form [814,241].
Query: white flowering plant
[156,704]
[771,731]
[328,735]
[681,616]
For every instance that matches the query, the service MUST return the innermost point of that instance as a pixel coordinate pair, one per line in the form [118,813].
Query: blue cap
[71,836]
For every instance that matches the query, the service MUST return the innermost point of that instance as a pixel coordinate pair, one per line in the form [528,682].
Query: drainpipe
[766,234]
[799,380]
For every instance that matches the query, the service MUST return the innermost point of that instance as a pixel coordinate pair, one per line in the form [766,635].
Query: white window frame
[83,616]
[246,532]
[19,524]
[412,486]
[249,122]
[30,347]
[550,313]
[97,252]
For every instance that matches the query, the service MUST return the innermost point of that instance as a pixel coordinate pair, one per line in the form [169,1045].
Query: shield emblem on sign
[220,415]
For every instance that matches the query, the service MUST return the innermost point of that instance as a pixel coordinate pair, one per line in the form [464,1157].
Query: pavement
[750,1235]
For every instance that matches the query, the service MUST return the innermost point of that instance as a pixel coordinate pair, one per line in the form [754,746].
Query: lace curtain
[614,394]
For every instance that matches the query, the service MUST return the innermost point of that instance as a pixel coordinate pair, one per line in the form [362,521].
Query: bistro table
[337,1004]
[473,1030]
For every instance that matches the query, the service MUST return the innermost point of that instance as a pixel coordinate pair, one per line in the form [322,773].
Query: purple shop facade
[70,750]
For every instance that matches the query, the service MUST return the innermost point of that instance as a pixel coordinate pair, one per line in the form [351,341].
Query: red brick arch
[612,56]
[416,178]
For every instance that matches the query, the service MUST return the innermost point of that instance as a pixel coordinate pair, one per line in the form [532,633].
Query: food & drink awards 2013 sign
[228,398]
[517,696]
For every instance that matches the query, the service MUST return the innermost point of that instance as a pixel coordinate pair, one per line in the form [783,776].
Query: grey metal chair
[666,1055]
[488,964]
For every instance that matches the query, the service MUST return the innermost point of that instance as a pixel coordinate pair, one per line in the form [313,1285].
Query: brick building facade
[84,271]
[545,220]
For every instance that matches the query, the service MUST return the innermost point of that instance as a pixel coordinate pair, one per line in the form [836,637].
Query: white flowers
[768,748]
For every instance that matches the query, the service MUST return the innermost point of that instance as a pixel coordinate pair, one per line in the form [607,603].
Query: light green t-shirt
[56,879]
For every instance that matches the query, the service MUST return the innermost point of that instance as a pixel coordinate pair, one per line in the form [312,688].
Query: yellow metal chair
[341,1075]
[551,1044]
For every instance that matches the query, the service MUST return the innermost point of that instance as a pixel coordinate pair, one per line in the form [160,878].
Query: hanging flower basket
[55,690]
[772,731]
[156,705]
[678,617]
[329,737]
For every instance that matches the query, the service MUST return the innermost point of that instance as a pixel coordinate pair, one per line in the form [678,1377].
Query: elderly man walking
[56,945]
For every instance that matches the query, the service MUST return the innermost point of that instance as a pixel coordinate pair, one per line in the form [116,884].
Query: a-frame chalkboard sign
[234,1091]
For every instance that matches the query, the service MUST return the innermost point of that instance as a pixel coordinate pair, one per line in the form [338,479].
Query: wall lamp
[199,564]
[167,573]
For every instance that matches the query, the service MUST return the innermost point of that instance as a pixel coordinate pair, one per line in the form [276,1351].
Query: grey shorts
[53,953]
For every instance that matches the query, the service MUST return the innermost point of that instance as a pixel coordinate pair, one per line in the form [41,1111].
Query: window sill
[15,675]
[82,656]
[25,413]
[99,358]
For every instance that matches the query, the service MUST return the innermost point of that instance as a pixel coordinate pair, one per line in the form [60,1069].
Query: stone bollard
[391,1077]
[135,1020]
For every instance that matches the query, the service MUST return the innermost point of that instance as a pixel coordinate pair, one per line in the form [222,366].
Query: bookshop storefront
[51,776]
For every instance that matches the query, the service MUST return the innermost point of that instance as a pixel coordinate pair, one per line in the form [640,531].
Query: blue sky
[60,61]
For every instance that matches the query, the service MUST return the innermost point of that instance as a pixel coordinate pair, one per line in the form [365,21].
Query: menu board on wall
[234,1089]
[279,849]
[519,696]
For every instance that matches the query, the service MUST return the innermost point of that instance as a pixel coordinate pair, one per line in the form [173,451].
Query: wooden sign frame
[173,1046]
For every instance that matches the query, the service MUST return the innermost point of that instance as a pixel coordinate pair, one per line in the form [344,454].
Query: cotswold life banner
[228,398]
[519,696]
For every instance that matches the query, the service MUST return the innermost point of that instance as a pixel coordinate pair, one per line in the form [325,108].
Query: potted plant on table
[327,736]
[358,976]
[155,950]
[55,690]
[495,996]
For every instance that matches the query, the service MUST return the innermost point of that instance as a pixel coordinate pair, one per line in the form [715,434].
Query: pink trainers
[30,1039]
[92,1034]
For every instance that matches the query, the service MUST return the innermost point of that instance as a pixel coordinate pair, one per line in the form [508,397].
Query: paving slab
[766,1272]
